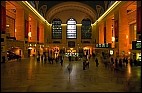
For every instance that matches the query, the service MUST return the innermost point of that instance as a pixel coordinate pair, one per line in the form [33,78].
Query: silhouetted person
[116,62]
[51,60]
[87,63]
[61,59]
[126,60]
[131,62]
[57,59]
[97,63]
[84,64]
[135,62]
[45,58]
[120,63]
[3,59]
[69,58]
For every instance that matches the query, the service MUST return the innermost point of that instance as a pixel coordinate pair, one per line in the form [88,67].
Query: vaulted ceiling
[43,7]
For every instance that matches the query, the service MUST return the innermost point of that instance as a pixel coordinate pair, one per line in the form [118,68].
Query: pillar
[3,30]
[138,20]
[123,31]
[109,30]
[101,33]
[64,40]
[20,25]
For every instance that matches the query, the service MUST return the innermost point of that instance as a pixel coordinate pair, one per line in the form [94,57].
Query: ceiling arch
[71,6]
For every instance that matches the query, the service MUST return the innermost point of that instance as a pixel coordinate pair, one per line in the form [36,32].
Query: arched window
[56,29]
[71,28]
[86,31]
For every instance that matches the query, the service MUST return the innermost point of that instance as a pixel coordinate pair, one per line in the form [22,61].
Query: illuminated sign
[107,45]
[136,45]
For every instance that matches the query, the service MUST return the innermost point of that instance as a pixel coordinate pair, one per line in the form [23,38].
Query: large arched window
[86,31]
[56,29]
[71,28]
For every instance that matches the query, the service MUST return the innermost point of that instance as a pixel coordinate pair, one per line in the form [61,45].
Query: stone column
[3,17]
[64,40]
[139,20]
[101,33]
[41,33]
[96,33]
[105,31]
[33,30]
[123,31]
[3,31]
[20,25]
[109,30]
[78,40]
[116,31]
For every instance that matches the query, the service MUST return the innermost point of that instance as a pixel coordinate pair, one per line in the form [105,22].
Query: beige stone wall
[109,30]
[101,33]
[123,31]
[20,25]
[41,33]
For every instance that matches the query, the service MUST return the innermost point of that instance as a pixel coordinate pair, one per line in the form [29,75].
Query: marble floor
[28,75]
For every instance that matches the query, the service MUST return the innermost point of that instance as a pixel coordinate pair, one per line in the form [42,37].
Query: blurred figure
[61,59]
[131,62]
[97,63]
[69,58]
[116,62]
[87,63]
[126,60]
[135,62]
[120,63]
[84,64]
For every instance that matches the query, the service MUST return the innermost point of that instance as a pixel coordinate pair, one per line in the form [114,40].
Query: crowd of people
[109,61]
[49,59]
[118,62]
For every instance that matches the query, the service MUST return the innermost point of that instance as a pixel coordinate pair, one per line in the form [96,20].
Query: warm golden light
[113,39]
[126,36]
[30,34]
[71,48]
[35,11]
[108,11]
[79,24]
[29,48]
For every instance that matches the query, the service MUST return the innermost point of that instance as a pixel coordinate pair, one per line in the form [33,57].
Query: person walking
[87,63]
[97,63]
[131,62]
[69,58]
[112,64]
[84,64]
[126,60]
[120,63]
[61,59]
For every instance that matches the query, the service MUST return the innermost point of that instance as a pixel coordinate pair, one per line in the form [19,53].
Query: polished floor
[32,76]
